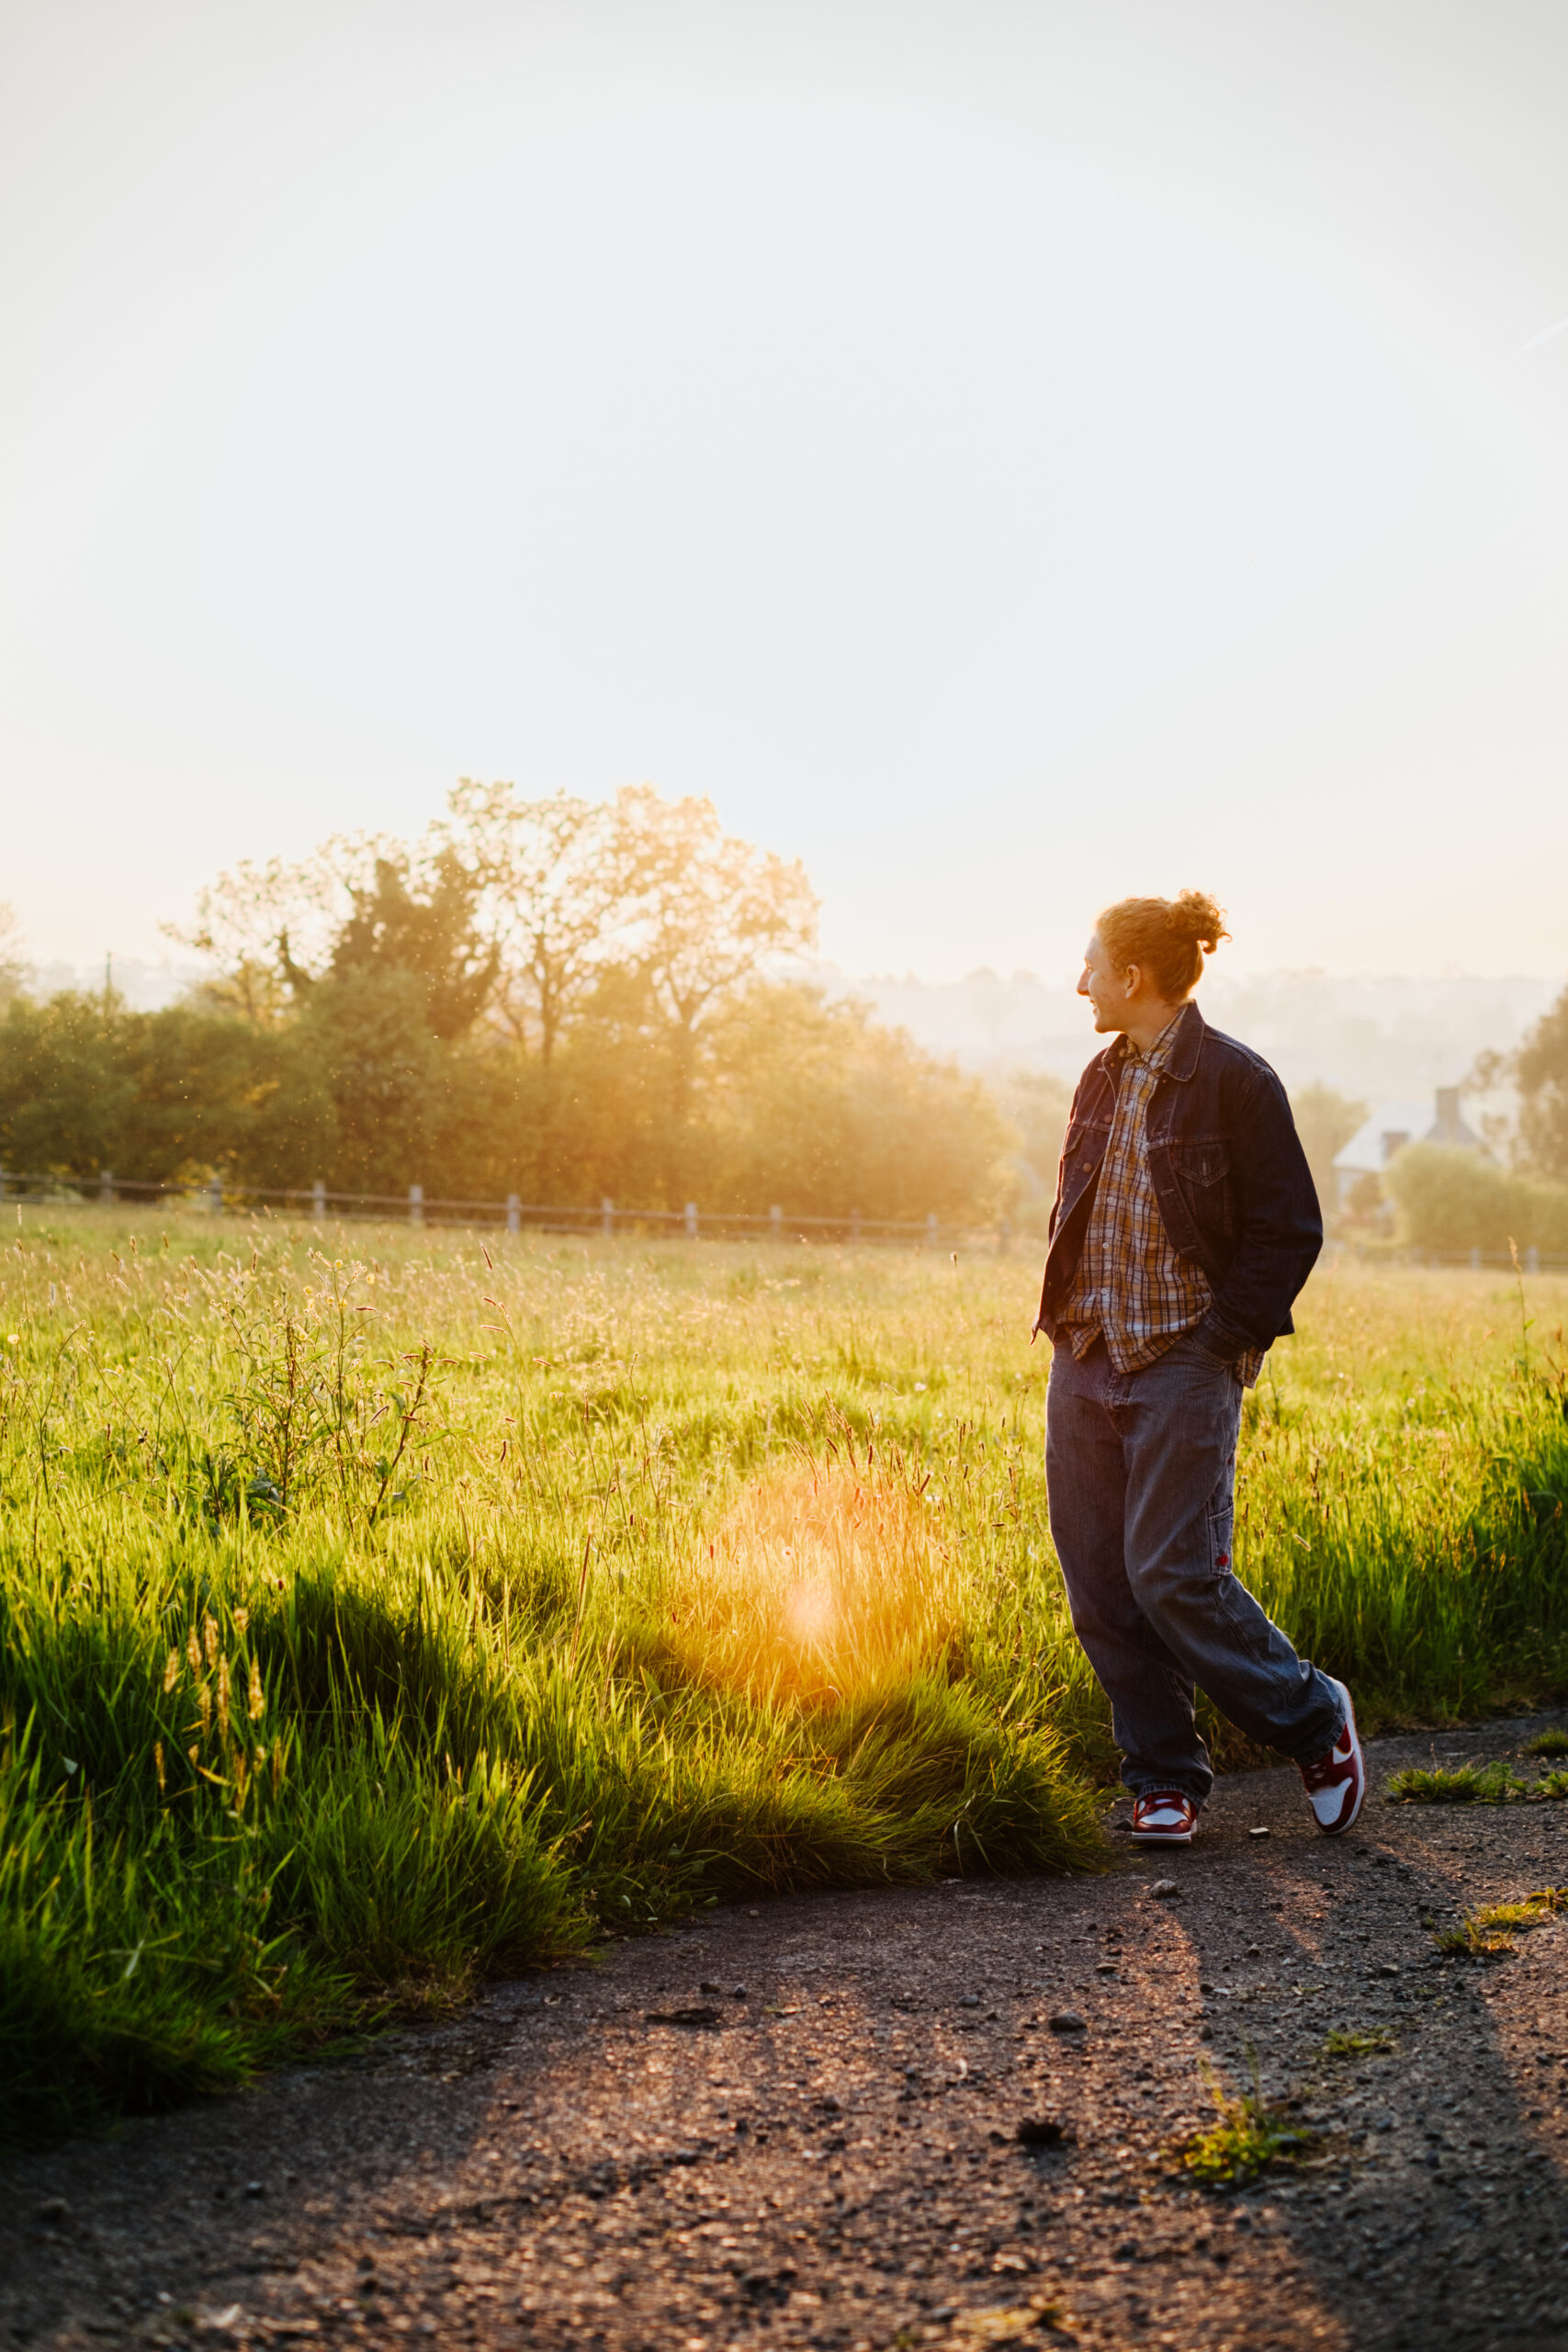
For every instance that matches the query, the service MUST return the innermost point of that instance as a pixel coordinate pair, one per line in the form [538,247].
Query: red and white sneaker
[1337,1782]
[1162,1817]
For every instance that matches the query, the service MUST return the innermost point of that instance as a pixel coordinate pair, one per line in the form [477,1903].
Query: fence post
[416,1203]
[690,1220]
[932,1230]
[608,1217]
[318,1201]
[1004,1235]
[215,1197]
[106,1185]
[854,1225]
[1532,1255]
[775,1223]
[1476,1260]
[514,1213]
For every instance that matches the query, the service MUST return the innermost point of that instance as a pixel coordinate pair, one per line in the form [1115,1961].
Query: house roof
[1368,1153]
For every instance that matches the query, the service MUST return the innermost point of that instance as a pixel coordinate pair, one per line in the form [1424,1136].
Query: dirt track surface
[833,2162]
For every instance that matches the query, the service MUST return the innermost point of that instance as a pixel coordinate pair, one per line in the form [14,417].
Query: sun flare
[817,1579]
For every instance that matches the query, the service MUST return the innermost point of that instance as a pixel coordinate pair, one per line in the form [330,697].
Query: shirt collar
[1165,1045]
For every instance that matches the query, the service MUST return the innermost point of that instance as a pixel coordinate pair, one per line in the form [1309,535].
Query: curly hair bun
[1195,916]
[1169,937]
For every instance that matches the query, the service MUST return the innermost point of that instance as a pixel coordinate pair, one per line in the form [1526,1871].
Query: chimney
[1449,1127]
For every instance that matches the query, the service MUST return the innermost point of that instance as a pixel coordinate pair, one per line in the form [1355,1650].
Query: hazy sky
[1005,453]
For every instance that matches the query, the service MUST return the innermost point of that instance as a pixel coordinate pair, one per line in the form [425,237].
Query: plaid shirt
[1130,1283]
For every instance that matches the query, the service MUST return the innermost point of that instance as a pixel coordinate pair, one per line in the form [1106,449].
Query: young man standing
[1185,1223]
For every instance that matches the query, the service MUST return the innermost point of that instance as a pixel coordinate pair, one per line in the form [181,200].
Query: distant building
[1390,1128]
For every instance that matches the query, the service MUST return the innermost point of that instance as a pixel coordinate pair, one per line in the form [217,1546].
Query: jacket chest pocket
[1082,1156]
[1203,1172]
[1200,1163]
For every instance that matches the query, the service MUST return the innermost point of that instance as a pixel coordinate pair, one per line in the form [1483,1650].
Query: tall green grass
[378,1611]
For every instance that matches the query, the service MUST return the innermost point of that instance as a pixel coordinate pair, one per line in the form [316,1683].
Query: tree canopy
[1540,1070]
[554,995]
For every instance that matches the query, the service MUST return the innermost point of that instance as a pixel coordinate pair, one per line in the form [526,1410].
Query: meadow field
[382,1608]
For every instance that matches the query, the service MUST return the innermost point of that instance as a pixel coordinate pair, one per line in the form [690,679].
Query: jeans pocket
[1199,1355]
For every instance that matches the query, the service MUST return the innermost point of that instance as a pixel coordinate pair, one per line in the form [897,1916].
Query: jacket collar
[1188,1043]
[1190,1030]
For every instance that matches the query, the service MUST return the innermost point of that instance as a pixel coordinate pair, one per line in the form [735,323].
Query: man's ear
[1131,979]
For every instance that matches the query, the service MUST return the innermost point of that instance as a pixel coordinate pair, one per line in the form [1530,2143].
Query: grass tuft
[1466,1784]
[1548,1743]
[1249,2133]
[1357,2045]
[1493,1930]
[1005,2324]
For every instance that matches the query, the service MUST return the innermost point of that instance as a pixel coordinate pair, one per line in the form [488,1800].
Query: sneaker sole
[1163,1837]
[1340,1827]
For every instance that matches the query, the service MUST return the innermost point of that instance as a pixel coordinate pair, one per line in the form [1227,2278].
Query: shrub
[1462,1200]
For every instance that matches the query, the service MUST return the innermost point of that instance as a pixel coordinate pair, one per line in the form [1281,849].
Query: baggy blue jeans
[1139,1471]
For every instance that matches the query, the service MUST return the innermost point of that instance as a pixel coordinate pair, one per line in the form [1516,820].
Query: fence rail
[513,1215]
[1533,1261]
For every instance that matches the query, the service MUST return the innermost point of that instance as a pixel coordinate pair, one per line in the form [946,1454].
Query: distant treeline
[569,998]
[559,998]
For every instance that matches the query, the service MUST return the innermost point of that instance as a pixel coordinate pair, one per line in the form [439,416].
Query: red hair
[1167,938]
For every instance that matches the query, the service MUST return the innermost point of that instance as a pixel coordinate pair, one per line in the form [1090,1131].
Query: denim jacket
[1229,1175]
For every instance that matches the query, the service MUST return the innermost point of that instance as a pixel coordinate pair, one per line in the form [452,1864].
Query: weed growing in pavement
[1548,1743]
[1493,1930]
[1007,2325]
[1357,2045]
[1473,1939]
[1249,2133]
[541,1589]
[1466,1784]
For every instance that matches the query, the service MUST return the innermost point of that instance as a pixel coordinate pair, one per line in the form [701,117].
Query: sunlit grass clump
[1249,2132]
[1492,1928]
[1343,2043]
[383,1611]
[1475,1785]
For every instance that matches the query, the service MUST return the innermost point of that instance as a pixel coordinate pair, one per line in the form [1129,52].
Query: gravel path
[833,2160]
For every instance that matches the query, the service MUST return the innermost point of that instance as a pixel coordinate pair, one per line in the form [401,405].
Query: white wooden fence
[513,1215]
[1532,1260]
[610,1217]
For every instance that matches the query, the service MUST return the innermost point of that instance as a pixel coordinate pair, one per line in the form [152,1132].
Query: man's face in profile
[1105,989]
